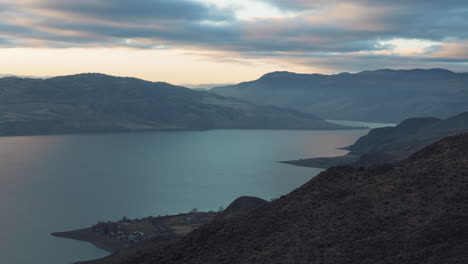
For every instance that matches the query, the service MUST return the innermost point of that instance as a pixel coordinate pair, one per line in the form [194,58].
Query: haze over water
[58,183]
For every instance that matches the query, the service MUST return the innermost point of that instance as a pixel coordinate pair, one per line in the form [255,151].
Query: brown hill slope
[415,211]
[87,103]
[241,206]
[392,144]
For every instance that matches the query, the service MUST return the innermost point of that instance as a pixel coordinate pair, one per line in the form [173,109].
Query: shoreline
[324,162]
[145,131]
[87,235]
[125,233]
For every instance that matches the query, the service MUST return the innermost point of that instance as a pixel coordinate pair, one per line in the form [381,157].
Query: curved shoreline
[87,235]
[114,236]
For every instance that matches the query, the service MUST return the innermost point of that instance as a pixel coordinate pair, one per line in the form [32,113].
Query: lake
[58,183]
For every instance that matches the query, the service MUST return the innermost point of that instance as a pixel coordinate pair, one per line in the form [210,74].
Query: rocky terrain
[101,103]
[415,211]
[126,237]
[385,95]
[240,206]
[391,144]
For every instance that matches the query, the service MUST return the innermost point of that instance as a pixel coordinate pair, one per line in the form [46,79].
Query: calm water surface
[57,183]
[361,124]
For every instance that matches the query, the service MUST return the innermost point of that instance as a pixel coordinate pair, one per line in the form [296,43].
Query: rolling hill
[374,96]
[392,144]
[101,103]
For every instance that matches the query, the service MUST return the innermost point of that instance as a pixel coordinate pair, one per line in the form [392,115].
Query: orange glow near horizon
[224,41]
[173,66]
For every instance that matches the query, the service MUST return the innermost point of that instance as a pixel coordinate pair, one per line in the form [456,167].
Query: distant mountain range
[203,86]
[412,212]
[102,103]
[373,96]
[392,144]
[23,76]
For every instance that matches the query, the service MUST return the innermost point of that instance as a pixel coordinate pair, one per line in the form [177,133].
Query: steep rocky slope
[241,206]
[415,211]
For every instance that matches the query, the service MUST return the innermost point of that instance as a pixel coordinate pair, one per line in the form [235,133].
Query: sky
[229,41]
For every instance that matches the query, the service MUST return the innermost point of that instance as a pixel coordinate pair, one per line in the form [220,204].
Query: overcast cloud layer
[343,35]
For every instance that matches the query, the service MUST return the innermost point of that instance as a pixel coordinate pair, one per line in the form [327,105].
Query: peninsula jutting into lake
[128,234]
[391,144]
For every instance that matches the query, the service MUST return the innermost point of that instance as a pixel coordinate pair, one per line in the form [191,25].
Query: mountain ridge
[391,144]
[384,95]
[93,102]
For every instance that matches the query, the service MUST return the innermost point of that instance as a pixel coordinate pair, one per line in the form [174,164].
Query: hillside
[411,212]
[101,103]
[239,207]
[391,144]
[374,96]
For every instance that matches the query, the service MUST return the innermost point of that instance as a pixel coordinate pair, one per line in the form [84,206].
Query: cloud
[429,19]
[381,32]
[136,9]
[453,50]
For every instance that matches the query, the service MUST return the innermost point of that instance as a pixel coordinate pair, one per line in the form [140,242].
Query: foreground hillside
[374,96]
[415,211]
[391,144]
[101,103]
[169,230]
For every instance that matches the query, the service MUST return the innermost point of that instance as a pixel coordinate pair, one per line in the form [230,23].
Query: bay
[58,183]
